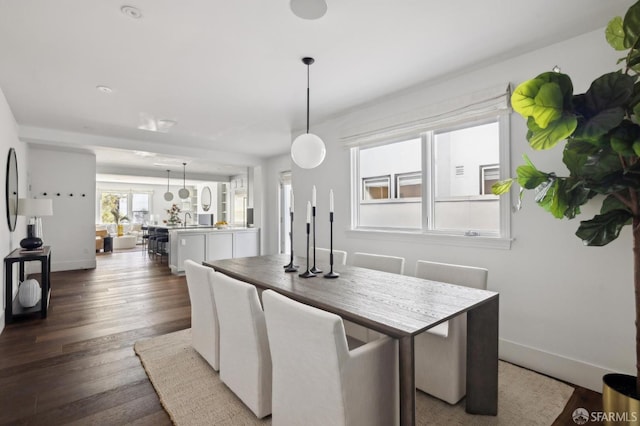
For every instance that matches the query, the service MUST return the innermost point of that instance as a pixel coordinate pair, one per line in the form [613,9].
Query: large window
[134,206]
[386,173]
[438,181]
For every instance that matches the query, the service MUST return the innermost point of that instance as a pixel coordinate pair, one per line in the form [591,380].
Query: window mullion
[427,180]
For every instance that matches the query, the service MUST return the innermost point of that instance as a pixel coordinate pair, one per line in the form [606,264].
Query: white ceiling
[230,72]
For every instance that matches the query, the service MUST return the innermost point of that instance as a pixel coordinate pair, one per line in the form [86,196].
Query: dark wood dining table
[399,306]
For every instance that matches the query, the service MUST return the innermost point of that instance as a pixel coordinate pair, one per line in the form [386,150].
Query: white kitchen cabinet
[246,244]
[200,243]
[191,247]
[219,246]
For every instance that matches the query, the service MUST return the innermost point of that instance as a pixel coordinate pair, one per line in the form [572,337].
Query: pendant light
[308,150]
[183,192]
[168,196]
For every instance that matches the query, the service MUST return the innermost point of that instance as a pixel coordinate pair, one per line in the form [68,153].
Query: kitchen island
[200,243]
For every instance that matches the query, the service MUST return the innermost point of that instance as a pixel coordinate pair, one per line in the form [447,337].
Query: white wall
[71,230]
[10,240]
[270,232]
[565,309]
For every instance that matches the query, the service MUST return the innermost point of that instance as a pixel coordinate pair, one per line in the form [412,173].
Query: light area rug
[192,394]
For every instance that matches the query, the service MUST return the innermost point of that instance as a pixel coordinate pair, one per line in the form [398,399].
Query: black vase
[31,242]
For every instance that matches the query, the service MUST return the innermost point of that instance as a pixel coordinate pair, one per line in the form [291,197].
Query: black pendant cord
[307,98]
[308,61]
[184,175]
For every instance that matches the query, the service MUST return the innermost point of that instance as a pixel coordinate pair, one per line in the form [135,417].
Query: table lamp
[34,208]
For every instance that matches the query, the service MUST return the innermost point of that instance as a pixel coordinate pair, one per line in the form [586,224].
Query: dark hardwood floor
[78,365]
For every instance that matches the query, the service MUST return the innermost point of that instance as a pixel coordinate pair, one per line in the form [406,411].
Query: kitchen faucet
[185,218]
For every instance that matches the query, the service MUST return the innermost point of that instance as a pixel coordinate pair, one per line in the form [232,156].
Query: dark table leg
[8,294]
[407,382]
[44,273]
[482,359]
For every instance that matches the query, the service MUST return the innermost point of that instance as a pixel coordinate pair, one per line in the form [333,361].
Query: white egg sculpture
[29,293]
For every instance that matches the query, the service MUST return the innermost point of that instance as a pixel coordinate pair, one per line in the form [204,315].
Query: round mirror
[206,199]
[12,190]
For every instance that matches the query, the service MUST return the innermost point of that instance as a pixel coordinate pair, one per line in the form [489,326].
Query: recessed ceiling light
[308,9]
[165,125]
[104,89]
[131,12]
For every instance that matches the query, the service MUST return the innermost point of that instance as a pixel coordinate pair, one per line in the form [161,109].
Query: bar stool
[162,243]
[151,247]
[145,237]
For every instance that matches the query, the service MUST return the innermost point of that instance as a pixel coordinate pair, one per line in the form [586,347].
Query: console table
[21,256]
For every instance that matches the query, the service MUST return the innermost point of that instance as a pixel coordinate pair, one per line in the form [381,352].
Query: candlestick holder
[307,273]
[290,267]
[331,274]
[314,269]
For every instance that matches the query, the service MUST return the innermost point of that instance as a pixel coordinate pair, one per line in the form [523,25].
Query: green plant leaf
[551,197]
[529,177]
[608,91]
[549,103]
[523,97]
[624,137]
[600,124]
[546,97]
[603,228]
[559,130]
[590,162]
[631,25]
[614,34]
[502,187]
[611,203]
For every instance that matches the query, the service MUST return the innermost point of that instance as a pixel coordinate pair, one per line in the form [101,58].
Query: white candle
[313,196]
[291,202]
[308,212]
[331,200]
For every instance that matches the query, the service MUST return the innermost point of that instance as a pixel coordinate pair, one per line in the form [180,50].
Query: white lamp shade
[183,193]
[308,151]
[35,207]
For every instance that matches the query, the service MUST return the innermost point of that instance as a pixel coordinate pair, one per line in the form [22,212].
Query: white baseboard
[570,370]
[73,265]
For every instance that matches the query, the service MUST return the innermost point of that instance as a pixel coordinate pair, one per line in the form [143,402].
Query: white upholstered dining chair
[205,334]
[440,352]
[378,262]
[316,379]
[245,360]
[322,258]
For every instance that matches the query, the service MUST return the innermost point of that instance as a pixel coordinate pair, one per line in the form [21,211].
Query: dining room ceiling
[220,84]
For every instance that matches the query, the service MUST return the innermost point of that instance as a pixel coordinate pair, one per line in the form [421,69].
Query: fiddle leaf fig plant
[602,150]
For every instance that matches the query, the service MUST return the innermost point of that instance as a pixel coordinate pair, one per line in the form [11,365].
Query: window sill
[433,238]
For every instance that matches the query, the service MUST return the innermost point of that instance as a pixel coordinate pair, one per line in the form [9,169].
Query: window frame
[499,239]
[386,178]
[399,176]
[129,194]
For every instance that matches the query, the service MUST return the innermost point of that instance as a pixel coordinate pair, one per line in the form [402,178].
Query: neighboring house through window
[435,177]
